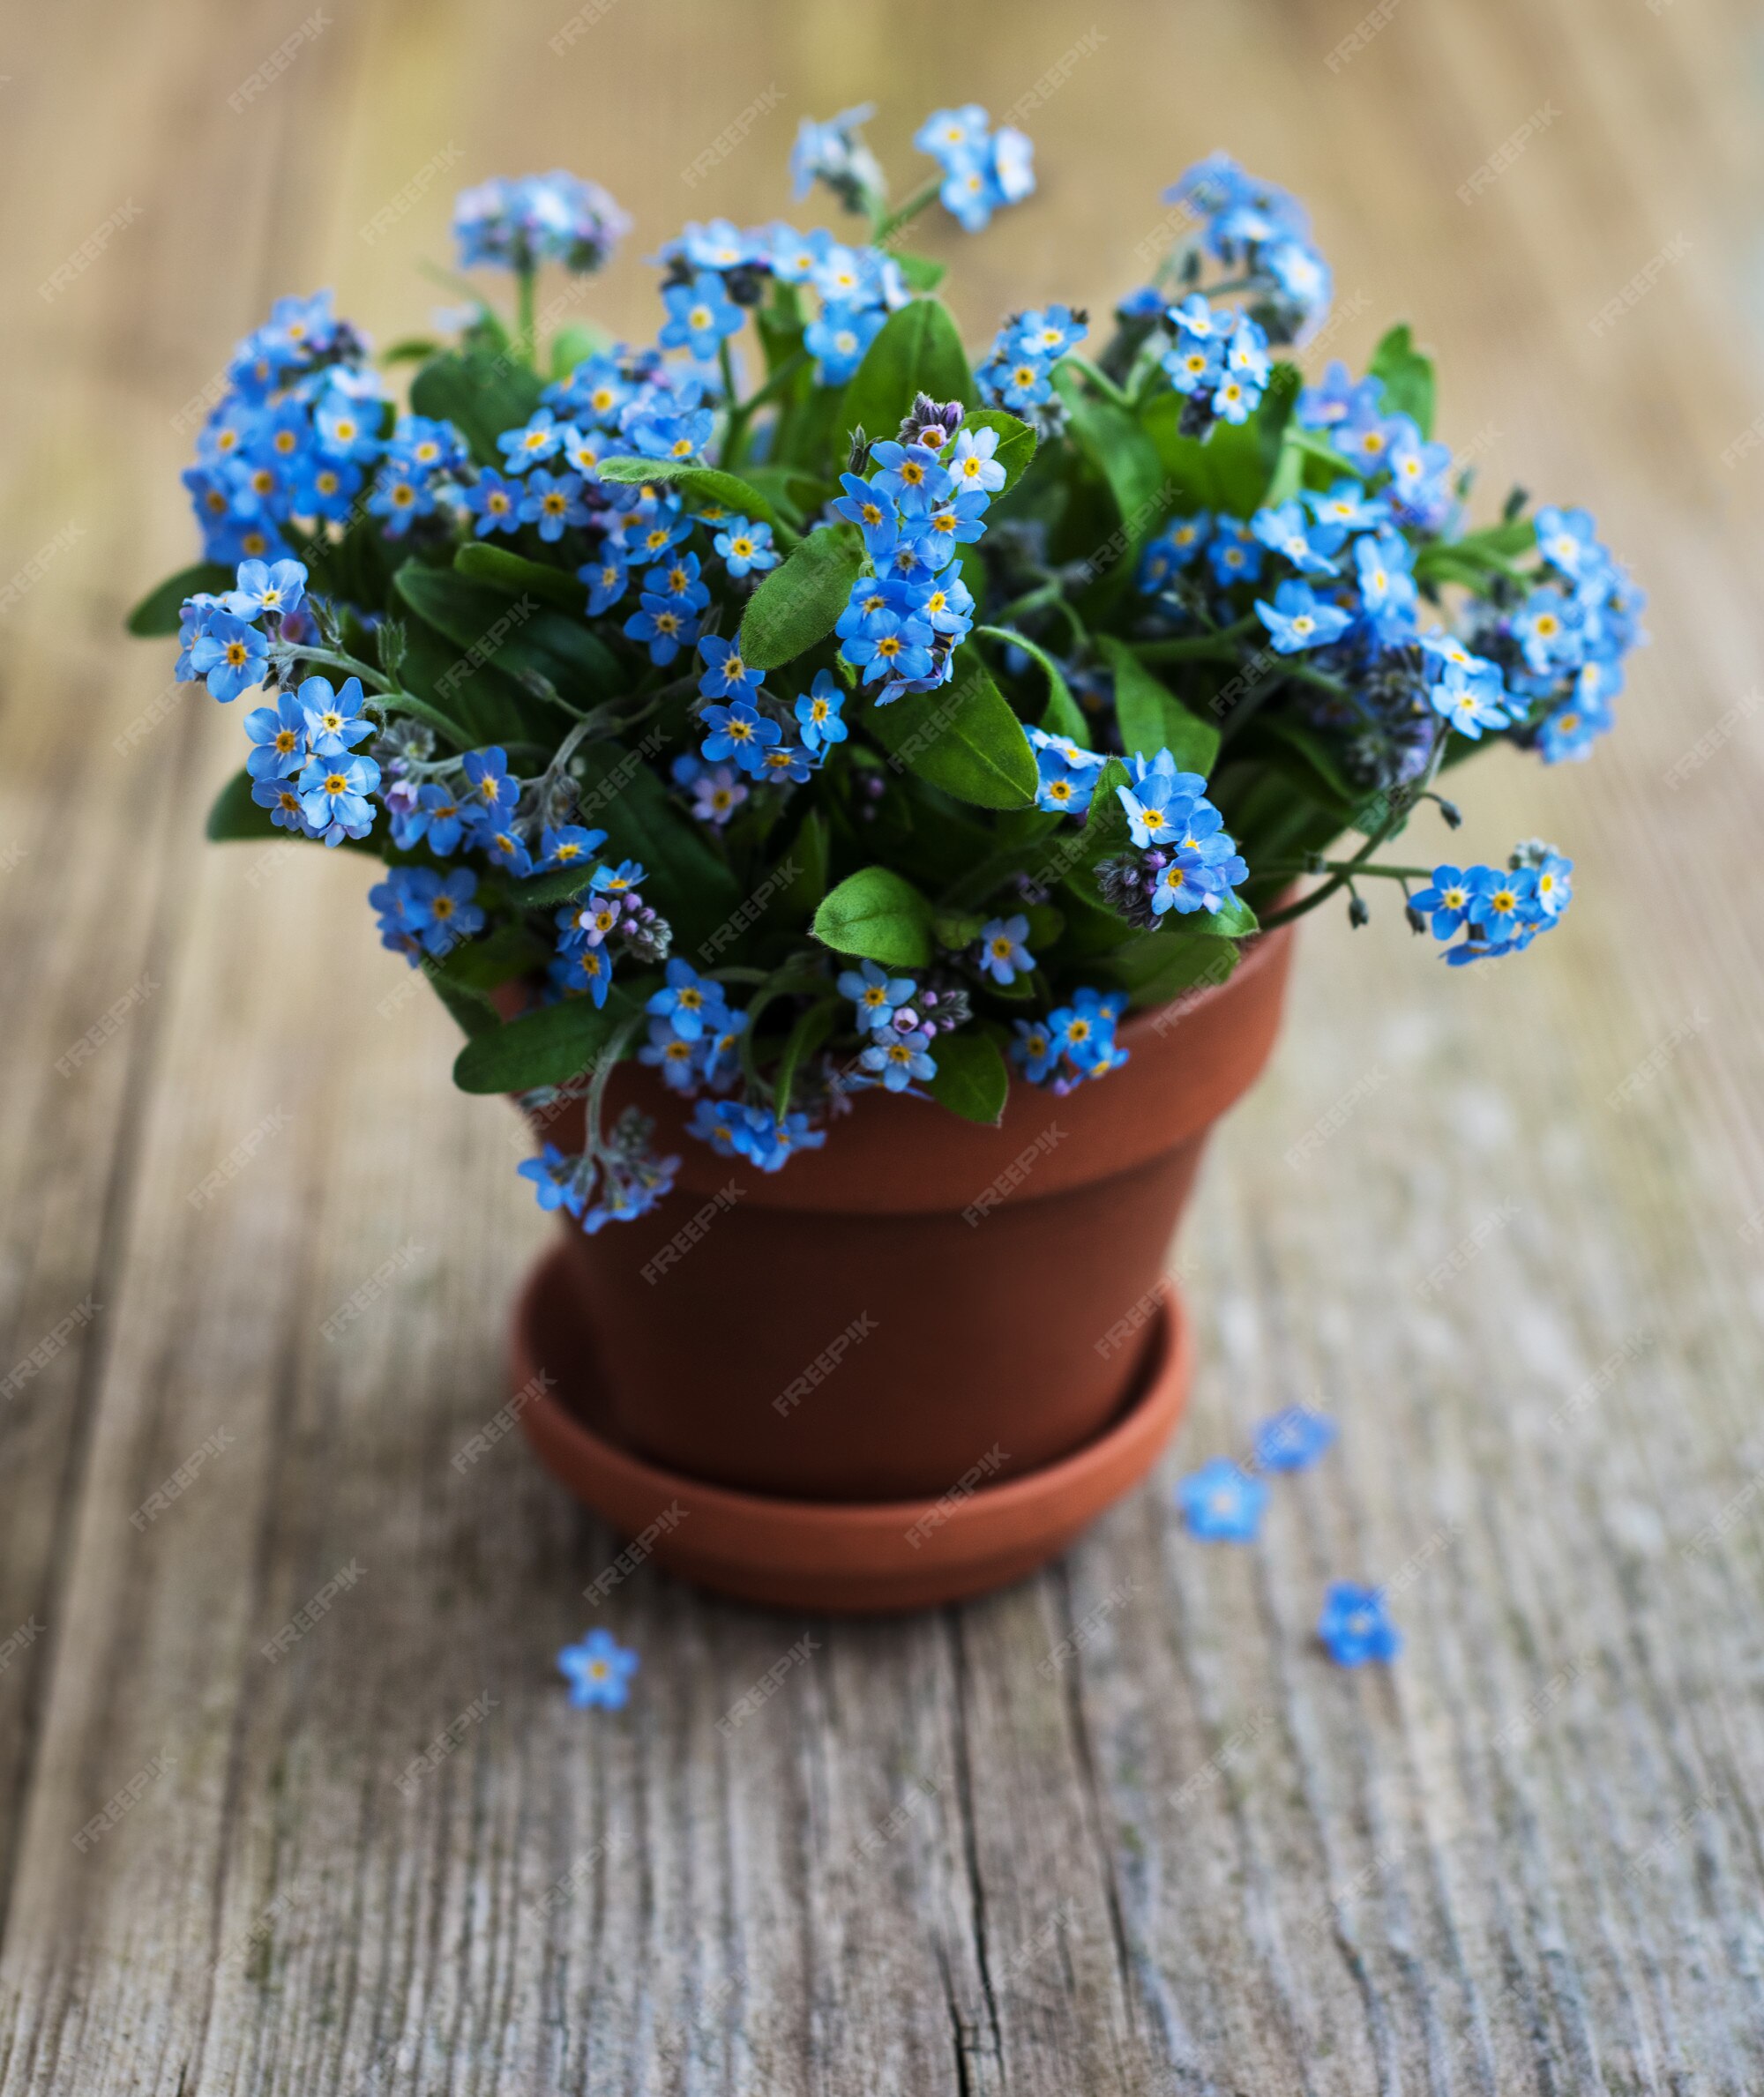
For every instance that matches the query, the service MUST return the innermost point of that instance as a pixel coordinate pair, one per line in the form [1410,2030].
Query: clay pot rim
[1157,1020]
[904,1154]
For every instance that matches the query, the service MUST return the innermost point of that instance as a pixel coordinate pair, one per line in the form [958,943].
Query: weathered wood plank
[93,745]
[1122,1829]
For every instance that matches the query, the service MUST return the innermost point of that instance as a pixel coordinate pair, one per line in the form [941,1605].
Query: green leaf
[1519,536]
[1152,717]
[356,568]
[498,956]
[482,393]
[1446,564]
[879,915]
[1091,927]
[1271,821]
[474,1013]
[1233,920]
[1274,417]
[413,349]
[971,1077]
[922,830]
[1312,444]
[490,629]
[707,486]
[481,704]
[157,612]
[686,879]
[1105,828]
[810,852]
[515,574]
[1474,559]
[780,322]
[1185,461]
[918,351]
[957,929]
[484,330]
[1016,444]
[1153,968]
[549,1046]
[811,1030]
[791,492]
[234,818]
[1236,465]
[920,273]
[807,433]
[1046,924]
[1062,715]
[1408,378]
[964,738]
[800,602]
[1244,456]
[546,891]
[1319,771]
[573,345]
[1116,443]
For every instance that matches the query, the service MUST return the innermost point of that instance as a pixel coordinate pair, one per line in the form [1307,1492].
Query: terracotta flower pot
[924,1311]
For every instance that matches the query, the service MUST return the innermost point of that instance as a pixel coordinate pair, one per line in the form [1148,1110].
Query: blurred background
[1563,197]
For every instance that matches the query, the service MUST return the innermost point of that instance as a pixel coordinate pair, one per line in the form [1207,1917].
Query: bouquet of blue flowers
[798,707]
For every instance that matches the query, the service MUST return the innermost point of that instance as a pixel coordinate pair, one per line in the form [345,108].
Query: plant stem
[1044,593]
[777,382]
[1080,633]
[1306,675]
[334,659]
[734,430]
[1360,872]
[1345,871]
[608,1059]
[1197,647]
[1099,379]
[586,726]
[526,341]
[887,228]
[779,983]
[1146,365]
[456,282]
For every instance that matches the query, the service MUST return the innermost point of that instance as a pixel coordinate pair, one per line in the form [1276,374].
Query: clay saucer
[823,1555]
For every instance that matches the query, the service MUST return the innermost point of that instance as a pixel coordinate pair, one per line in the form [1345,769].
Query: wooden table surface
[1193,1856]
